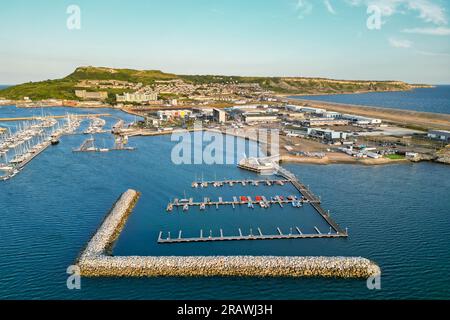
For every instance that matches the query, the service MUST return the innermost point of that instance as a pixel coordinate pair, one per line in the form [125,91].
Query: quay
[251,236]
[96,259]
[54,117]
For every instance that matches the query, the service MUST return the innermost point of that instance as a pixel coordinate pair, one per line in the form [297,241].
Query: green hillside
[65,88]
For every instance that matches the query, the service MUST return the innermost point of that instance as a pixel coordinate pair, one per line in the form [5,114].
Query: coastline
[407,118]
[413,87]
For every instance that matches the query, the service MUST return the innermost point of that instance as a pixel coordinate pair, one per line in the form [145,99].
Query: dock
[246,182]
[260,236]
[307,196]
[235,202]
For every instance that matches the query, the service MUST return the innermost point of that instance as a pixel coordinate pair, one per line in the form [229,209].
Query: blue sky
[314,38]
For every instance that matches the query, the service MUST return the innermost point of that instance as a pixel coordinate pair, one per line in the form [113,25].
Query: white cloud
[400,43]
[303,7]
[329,7]
[440,31]
[428,10]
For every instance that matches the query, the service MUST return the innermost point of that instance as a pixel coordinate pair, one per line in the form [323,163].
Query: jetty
[242,200]
[311,198]
[96,260]
[245,182]
[297,234]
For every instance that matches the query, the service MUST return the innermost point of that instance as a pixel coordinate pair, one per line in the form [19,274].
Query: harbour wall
[96,259]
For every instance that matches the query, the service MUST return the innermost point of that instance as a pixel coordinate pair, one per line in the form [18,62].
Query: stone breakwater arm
[237,266]
[95,260]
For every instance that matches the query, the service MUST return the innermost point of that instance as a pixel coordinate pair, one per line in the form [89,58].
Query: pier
[308,195]
[259,236]
[247,182]
[244,200]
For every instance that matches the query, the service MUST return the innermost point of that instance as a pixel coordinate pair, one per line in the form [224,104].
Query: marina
[96,260]
[30,140]
[306,197]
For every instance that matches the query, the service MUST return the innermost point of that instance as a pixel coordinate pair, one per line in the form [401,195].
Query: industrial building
[361,120]
[318,122]
[439,135]
[326,134]
[219,115]
[253,118]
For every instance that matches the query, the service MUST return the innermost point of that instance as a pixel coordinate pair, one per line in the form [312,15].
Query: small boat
[250,205]
[202,206]
[169,208]
[186,207]
[54,140]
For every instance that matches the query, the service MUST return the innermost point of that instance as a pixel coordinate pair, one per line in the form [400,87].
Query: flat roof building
[219,115]
[85,95]
[318,122]
[439,135]
[252,118]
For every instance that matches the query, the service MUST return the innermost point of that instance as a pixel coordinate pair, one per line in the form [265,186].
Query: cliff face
[64,88]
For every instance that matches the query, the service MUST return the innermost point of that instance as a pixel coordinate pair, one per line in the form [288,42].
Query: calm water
[397,215]
[426,100]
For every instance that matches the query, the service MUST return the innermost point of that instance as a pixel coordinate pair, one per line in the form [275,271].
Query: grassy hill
[65,88]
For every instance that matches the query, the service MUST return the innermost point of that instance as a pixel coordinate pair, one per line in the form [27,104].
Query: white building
[361,120]
[137,97]
[219,115]
[439,135]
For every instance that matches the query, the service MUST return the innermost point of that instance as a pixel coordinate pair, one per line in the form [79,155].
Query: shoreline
[286,95]
[407,118]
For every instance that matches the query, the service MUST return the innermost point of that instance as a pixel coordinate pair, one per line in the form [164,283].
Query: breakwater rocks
[96,261]
[238,266]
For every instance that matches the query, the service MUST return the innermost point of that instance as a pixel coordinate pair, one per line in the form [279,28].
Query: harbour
[374,232]
[95,260]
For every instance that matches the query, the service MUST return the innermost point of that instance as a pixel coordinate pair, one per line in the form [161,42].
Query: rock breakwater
[96,261]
